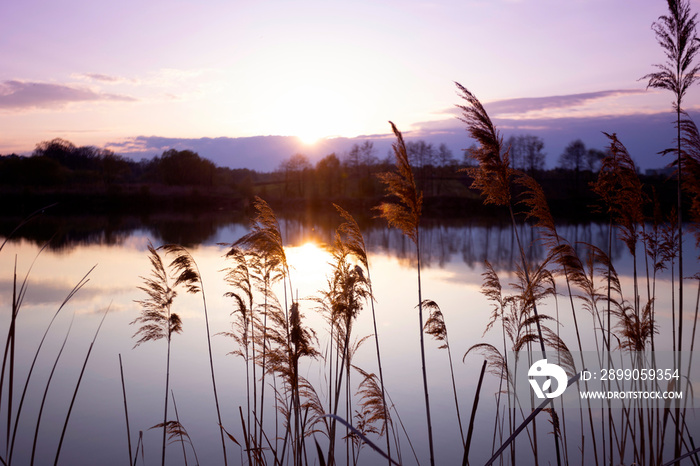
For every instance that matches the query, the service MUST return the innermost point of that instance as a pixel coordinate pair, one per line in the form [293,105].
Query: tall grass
[676,34]
[355,243]
[157,321]
[404,213]
[8,372]
[187,273]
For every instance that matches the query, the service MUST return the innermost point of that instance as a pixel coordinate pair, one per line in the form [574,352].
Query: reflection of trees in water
[442,240]
[68,232]
[65,233]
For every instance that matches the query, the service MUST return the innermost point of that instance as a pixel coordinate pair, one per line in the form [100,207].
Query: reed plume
[264,242]
[355,243]
[435,326]
[371,411]
[405,214]
[491,177]
[676,34]
[621,191]
[372,402]
[157,321]
[187,273]
[176,434]
[242,279]
[342,302]
[290,341]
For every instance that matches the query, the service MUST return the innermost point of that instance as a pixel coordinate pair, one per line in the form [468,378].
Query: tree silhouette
[526,152]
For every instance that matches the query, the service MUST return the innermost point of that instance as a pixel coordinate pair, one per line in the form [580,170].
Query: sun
[308,139]
[312,113]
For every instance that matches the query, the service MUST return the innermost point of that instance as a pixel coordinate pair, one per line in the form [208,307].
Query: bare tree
[574,156]
[526,152]
[293,169]
[593,159]
[420,153]
[444,155]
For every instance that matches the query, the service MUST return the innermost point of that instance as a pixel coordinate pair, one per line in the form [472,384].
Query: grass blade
[465,459]
[524,424]
[364,439]
[77,386]
[126,410]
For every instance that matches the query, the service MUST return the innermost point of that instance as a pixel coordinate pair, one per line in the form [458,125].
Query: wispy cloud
[531,104]
[105,78]
[19,95]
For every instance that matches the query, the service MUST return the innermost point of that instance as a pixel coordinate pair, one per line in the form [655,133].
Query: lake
[453,255]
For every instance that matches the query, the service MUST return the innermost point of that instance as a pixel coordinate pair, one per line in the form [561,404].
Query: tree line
[59,165]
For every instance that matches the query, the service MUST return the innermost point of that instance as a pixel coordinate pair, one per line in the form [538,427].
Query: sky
[139,77]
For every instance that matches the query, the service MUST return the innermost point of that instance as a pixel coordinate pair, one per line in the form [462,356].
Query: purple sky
[141,76]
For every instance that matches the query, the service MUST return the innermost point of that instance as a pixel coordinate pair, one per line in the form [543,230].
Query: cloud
[102,77]
[17,95]
[530,104]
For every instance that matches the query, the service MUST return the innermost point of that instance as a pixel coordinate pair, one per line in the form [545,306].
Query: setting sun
[314,112]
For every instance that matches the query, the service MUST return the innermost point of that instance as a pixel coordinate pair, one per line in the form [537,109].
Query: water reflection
[454,251]
[473,240]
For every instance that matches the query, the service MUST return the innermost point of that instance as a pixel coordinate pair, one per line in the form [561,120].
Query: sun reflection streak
[308,262]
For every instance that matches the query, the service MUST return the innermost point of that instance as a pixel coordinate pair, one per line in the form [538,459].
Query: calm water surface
[454,255]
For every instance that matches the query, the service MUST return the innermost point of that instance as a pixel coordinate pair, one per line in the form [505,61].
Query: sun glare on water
[309,262]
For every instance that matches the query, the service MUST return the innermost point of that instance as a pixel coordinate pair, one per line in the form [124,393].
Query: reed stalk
[355,242]
[126,409]
[83,281]
[187,273]
[470,430]
[435,326]
[405,214]
[157,321]
[46,391]
[77,386]
[265,240]
[676,33]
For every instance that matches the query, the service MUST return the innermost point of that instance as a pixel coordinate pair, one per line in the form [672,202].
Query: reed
[435,326]
[77,387]
[126,410]
[265,242]
[46,391]
[676,34]
[187,273]
[356,244]
[405,214]
[18,304]
[157,321]
[341,303]
[492,177]
[241,279]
